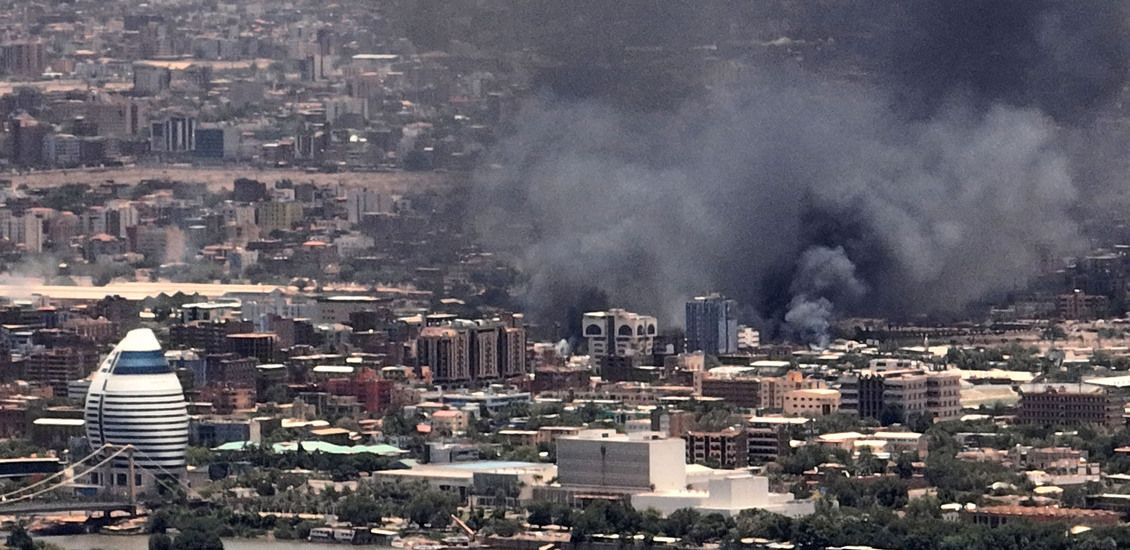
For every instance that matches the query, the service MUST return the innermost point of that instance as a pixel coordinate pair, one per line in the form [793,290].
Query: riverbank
[141,542]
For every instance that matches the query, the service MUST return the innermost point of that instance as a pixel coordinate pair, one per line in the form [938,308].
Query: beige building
[619,333]
[273,215]
[912,392]
[774,388]
[811,403]
[337,309]
[886,444]
[450,421]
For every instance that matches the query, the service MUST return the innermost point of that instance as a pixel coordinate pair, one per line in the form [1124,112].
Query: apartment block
[911,392]
[727,449]
[1067,405]
[767,437]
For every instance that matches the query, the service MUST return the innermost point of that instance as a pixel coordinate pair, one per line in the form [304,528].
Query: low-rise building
[738,389]
[449,421]
[900,395]
[1067,404]
[769,436]
[649,470]
[811,403]
[887,444]
[459,478]
[728,494]
[995,516]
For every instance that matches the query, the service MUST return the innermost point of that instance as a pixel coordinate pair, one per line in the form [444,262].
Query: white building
[33,228]
[725,492]
[120,215]
[619,333]
[136,399]
[173,134]
[478,481]
[748,338]
[643,461]
[360,200]
[61,150]
[650,469]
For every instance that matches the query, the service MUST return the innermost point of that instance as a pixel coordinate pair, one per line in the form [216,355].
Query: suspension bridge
[59,492]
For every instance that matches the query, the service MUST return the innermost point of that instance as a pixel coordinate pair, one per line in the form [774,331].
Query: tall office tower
[712,325]
[136,399]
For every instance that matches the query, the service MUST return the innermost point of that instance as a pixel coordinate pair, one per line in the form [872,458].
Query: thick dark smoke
[824,277]
[1065,58]
[807,196]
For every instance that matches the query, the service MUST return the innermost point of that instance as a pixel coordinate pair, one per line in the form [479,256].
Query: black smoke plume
[1064,58]
[936,179]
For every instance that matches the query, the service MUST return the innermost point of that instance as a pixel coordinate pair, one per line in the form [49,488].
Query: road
[35,508]
[221,177]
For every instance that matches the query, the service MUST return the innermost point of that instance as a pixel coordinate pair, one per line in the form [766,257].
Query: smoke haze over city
[941,177]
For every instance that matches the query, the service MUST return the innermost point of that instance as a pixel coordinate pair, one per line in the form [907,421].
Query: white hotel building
[136,399]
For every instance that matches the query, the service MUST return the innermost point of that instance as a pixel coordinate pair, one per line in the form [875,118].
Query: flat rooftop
[130,290]
[1109,381]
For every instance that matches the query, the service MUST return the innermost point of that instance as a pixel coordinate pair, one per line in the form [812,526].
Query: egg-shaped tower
[136,399]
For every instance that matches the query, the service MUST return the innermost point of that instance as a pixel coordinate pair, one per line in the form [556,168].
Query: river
[141,542]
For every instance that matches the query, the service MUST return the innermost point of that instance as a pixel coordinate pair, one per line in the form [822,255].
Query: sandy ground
[218,178]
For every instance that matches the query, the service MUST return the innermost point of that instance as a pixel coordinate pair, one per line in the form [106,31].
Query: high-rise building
[619,333]
[26,141]
[36,222]
[23,58]
[484,349]
[136,399]
[173,134]
[712,325]
[512,351]
[444,350]
[465,351]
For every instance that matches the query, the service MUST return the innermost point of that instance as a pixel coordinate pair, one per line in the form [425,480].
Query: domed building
[136,399]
